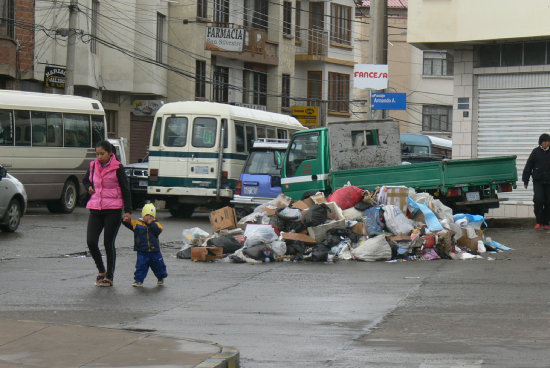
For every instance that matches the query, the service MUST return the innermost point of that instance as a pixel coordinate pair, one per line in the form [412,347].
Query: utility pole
[378,42]
[71,48]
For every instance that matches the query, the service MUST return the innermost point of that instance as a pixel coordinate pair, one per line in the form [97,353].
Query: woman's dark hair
[544,138]
[107,146]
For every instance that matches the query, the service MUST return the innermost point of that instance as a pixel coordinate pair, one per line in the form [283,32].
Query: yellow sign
[306,115]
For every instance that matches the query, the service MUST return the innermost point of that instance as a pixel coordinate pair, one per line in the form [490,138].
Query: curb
[227,358]
[526,222]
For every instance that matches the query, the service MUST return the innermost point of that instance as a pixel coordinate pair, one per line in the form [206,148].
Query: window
[260,131]
[221,11]
[250,136]
[314,88]
[362,138]
[6,129]
[76,130]
[7,18]
[338,92]
[47,129]
[202,8]
[161,20]
[287,17]
[112,123]
[200,79]
[437,63]
[512,54]
[534,53]
[285,100]
[22,128]
[156,132]
[260,89]
[175,132]
[303,147]
[204,132]
[241,138]
[94,26]
[437,118]
[340,24]
[298,20]
[220,84]
[98,129]
[260,15]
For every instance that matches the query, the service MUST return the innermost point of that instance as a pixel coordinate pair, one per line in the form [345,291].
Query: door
[203,152]
[173,156]
[316,40]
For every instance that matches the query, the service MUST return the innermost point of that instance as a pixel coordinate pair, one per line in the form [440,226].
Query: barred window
[340,24]
[338,92]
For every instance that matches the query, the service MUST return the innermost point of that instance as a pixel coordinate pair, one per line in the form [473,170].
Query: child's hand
[148,219]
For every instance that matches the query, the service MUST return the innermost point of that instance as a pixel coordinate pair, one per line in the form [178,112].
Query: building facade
[501,78]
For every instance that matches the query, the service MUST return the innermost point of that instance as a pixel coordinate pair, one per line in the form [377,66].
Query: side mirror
[3,172]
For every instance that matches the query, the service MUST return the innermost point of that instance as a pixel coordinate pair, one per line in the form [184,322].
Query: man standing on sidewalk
[538,167]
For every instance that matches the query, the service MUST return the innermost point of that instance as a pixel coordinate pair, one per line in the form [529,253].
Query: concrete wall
[466,20]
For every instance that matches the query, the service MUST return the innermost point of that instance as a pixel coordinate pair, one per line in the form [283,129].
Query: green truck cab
[367,154]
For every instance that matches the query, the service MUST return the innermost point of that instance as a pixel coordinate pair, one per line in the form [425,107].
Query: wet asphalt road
[490,313]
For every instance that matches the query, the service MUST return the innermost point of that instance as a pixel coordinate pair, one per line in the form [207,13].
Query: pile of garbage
[391,224]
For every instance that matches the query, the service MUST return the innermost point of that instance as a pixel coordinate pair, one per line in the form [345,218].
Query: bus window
[175,132]
[250,136]
[260,132]
[240,137]
[6,135]
[204,132]
[156,132]
[98,129]
[282,134]
[22,128]
[44,127]
[271,133]
[76,130]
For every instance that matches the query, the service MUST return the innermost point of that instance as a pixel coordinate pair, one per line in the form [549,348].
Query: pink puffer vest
[107,194]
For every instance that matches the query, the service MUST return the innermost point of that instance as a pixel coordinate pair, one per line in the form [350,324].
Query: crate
[206,254]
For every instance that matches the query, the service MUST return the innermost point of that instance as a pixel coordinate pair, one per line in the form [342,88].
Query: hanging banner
[370,76]
[54,76]
[224,39]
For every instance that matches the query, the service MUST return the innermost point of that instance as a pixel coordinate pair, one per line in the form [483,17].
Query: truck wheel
[182,210]
[67,202]
[13,216]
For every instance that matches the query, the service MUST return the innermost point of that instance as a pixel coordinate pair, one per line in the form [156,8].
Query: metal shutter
[511,120]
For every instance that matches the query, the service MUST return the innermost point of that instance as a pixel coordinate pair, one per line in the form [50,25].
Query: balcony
[311,44]
[257,49]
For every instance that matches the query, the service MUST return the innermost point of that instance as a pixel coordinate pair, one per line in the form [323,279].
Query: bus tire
[182,210]
[67,202]
[13,216]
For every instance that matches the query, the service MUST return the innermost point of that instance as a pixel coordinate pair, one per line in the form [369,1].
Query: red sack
[346,197]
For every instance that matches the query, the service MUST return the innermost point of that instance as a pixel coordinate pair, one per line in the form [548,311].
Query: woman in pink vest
[109,191]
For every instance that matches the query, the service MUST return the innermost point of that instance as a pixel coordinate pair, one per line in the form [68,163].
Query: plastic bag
[194,236]
[472,220]
[259,234]
[316,215]
[346,197]
[396,222]
[228,243]
[279,248]
[372,218]
[290,214]
[429,217]
[441,211]
[373,249]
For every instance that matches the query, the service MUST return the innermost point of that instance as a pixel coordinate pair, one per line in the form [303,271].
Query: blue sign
[389,101]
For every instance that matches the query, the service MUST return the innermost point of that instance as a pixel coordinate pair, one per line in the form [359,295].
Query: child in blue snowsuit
[146,243]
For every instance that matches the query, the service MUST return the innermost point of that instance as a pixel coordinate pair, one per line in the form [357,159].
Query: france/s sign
[370,76]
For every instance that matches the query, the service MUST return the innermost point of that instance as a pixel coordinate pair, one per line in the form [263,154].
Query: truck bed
[440,175]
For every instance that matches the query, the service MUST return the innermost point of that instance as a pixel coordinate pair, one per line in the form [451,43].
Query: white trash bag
[257,234]
[396,222]
[373,249]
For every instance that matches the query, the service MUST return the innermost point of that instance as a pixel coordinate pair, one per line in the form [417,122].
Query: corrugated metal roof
[391,3]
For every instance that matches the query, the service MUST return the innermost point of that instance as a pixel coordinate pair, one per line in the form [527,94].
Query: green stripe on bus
[234,156]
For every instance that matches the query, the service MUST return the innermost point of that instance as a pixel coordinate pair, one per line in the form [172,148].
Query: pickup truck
[367,154]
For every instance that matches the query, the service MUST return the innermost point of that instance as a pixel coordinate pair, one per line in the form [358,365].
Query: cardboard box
[471,243]
[318,198]
[319,233]
[397,196]
[302,205]
[299,237]
[359,228]
[224,218]
[206,254]
[270,211]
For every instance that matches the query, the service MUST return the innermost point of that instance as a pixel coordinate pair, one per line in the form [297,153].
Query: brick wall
[24,34]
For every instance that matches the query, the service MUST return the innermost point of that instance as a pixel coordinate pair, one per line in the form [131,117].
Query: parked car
[260,180]
[13,201]
[138,176]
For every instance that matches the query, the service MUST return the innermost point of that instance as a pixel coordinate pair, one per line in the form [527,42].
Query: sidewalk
[36,344]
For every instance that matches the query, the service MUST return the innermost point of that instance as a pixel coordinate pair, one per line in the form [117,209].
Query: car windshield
[264,162]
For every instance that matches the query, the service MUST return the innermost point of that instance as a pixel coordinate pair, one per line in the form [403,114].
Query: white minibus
[47,141]
[198,149]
